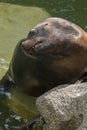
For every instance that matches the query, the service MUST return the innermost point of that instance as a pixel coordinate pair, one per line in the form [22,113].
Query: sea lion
[53,53]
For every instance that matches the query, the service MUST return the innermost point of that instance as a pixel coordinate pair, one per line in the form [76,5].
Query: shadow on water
[74,10]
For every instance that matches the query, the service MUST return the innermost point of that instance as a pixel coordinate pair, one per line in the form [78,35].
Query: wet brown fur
[54,53]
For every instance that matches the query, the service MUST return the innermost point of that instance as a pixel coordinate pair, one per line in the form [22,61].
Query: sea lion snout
[33,46]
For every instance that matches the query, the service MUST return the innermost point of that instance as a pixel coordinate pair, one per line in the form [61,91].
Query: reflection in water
[23,104]
[8,119]
[15,106]
[3,66]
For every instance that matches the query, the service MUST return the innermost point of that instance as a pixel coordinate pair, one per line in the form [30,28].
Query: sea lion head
[61,48]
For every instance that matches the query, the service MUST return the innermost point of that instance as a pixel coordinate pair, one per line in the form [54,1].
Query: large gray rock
[64,108]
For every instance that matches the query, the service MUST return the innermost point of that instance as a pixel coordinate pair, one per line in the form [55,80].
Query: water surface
[17,17]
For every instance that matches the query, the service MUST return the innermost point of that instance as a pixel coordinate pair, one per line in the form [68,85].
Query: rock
[64,108]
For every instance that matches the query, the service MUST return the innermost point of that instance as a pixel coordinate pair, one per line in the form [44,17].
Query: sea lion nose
[28,46]
[25,44]
[32,46]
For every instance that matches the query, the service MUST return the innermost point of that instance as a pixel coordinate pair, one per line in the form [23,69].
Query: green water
[17,17]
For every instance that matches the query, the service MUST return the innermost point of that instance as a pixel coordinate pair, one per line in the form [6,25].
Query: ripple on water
[3,64]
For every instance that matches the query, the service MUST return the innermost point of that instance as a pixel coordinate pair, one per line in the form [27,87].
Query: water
[16,109]
[17,17]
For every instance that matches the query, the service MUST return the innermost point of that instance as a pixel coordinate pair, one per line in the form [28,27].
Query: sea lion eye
[33,32]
